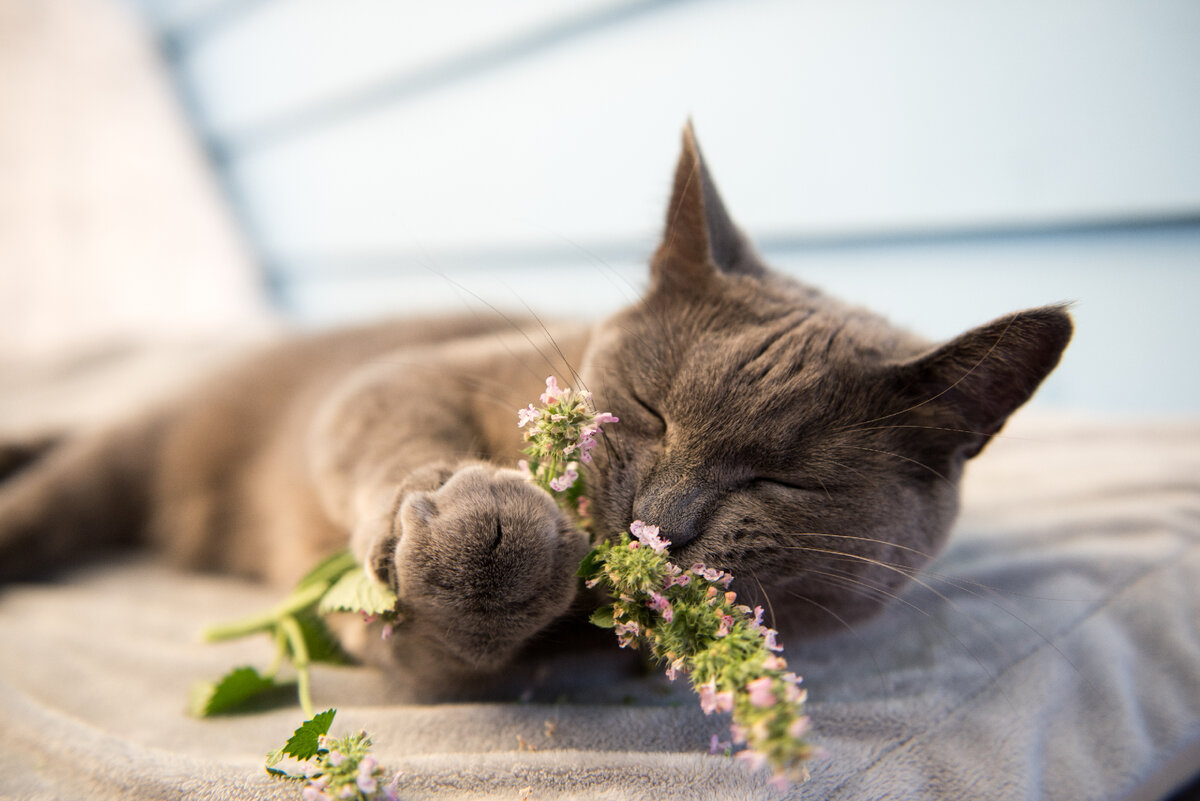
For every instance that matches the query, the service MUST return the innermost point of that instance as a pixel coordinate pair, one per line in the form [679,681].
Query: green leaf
[603,617]
[233,690]
[322,645]
[303,743]
[592,564]
[329,570]
[357,591]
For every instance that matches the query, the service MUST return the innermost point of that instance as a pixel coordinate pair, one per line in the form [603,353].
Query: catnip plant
[687,618]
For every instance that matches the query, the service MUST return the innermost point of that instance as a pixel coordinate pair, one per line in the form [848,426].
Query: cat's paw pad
[488,557]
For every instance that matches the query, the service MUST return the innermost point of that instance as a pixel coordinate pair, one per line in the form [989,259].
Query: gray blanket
[1052,652]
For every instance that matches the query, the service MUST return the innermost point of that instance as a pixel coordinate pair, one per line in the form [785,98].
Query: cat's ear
[968,387]
[700,237]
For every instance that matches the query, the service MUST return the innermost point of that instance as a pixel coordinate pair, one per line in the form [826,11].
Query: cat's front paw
[483,563]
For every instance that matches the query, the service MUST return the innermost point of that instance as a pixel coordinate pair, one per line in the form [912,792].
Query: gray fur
[808,447]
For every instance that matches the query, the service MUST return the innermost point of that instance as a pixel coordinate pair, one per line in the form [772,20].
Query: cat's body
[809,448]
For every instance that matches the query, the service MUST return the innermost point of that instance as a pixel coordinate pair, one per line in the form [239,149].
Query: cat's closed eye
[649,415]
[793,485]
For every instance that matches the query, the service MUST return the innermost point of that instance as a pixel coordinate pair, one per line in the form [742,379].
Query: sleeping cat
[808,447]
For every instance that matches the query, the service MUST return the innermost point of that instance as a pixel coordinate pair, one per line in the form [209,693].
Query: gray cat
[809,448]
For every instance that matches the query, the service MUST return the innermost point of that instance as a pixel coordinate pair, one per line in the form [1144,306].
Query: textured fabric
[1052,652]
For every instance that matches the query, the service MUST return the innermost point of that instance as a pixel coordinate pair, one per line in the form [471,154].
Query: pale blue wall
[943,162]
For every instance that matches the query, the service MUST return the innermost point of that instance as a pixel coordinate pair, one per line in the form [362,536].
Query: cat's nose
[676,510]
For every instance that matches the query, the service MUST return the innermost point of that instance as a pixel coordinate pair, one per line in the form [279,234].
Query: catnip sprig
[687,618]
[691,622]
[338,584]
[332,768]
[561,434]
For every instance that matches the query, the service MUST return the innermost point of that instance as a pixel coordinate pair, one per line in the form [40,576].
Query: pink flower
[563,482]
[648,534]
[753,759]
[605,417]
[780,782]
[552,392]
[713,701]
[336,758]
[799,727]
[769,640]
[791,688]
[627,633]
[366,780]
[661,605]
[761,694]
[392,791]
[725,627]
[716,745]
[773,662]
[708,697]
[527,415]
[388,629]
[315,792]
[730,597]
[681,580]
[738,733]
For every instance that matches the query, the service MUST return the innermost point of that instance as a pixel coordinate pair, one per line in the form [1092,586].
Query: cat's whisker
[940,428]
[849,469]
[762,591]
[853,580]
[854,632]
[904,458]
[925,555]
[576,379]
[828,494]
[599,263]
[512,323]
[914,574]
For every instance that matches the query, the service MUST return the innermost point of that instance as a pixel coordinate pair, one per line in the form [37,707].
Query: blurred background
[172,170]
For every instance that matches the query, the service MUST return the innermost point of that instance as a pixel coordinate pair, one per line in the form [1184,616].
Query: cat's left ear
[700,238]
[967,388]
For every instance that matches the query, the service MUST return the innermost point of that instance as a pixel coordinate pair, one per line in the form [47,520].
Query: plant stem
[295,638]
[265,620]
[281,649]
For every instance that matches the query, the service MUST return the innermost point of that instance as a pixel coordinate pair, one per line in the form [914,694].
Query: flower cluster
[561,434]
[691,621]
[342,769]
[688,618]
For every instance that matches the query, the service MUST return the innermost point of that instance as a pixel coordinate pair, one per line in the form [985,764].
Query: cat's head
[808,447]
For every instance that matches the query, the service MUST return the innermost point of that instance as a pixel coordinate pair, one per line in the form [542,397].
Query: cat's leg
[480,558]
[63,503]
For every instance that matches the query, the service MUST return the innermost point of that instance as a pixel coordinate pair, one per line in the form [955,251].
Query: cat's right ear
[700,238]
